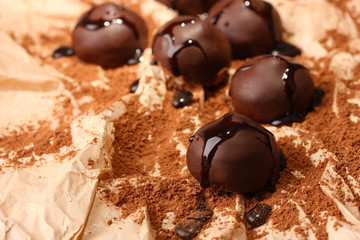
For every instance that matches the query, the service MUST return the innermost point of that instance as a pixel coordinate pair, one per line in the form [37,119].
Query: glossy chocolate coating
[252,26]
[234,154]
[267,88]
[193,48]
[110,35]
[189,7]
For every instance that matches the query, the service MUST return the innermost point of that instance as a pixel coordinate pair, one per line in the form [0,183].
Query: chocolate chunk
[258,215]
[191,226]
[253,27]
[110,35]
[193,48]
[234,154]
[182,98]
[153,62]
[272,89]
[134,86]
[288,119]
[287,49]
[63,51]
[189,7]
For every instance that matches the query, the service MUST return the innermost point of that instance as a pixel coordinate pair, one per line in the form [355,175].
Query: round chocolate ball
[252,26]
[268,87]
[110,35]
[234,154]
[189,7]
[193,48]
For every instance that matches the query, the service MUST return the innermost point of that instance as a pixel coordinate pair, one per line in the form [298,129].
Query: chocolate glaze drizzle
[218,133]
[290,88]
[63,51]
[174,49]
[93,25]
[295,116]
[289,78]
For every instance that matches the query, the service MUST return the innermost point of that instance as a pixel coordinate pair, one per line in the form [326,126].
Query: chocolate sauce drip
[258,215]
[191,225]
[63,51]
[174,50]
[217,134]
[289,77]
[287,49]
[182,98]
[134,86]
[292,117]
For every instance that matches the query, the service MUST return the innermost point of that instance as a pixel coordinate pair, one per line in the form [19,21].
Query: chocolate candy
[234,154]
[252,26]
[193,48]
[189,7]
[268,88]
[110,35]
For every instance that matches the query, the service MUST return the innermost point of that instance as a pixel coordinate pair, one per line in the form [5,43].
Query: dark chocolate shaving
[287,49]
[63,51]
[258,215]
[182,98]
[134,86]
[191,226]
[289,119]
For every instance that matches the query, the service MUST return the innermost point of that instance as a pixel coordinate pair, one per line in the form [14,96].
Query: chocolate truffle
[110,35]
[193,48]
[234,154]
[252,26]
[268,88]
[189,7]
